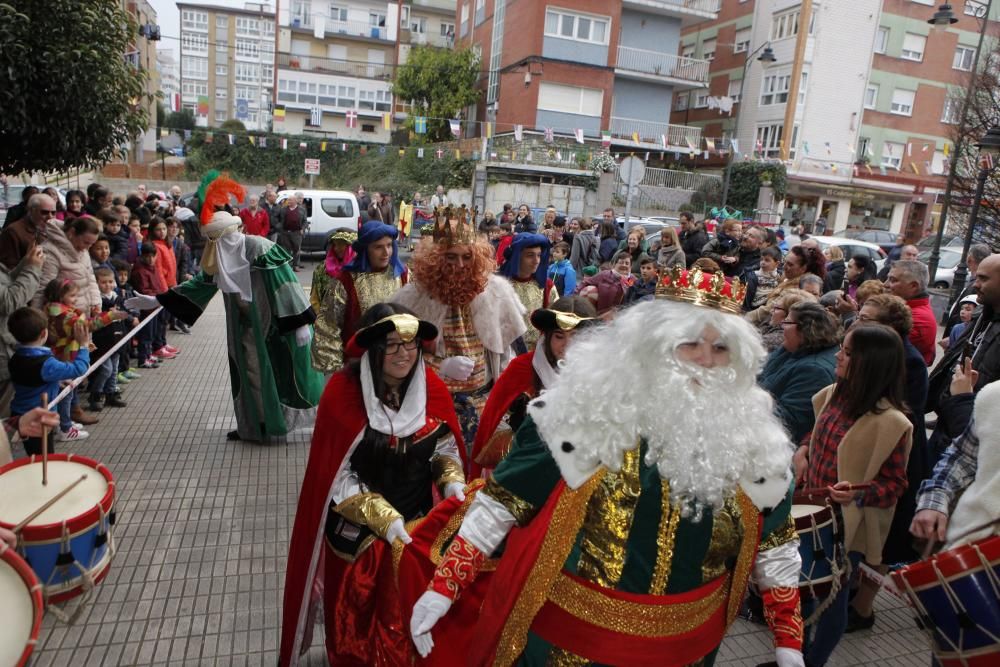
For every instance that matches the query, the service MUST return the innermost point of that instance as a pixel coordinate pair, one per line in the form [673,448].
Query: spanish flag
[405,217]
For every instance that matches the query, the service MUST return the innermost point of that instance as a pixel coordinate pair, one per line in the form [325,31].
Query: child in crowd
[100,254]
[166,264]
[966,309]
[724,249]
[766,276]
[146,279]
[644,288]
[561,272]
[34,370]
[104,381]
[125,291]
[135,239]
[182,259]
[60,307]
[505,239]
[117,232]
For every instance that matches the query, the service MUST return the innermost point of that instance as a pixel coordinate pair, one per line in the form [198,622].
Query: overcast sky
[169,19]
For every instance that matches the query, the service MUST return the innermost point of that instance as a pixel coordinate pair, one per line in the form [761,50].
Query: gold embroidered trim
[666,537]
[783,534]
[748,553]
[567,517]
[532,297]
[369,509]
[398,546]
[560,657]
[520,509]
[635,618]
[727,536]
[446,470]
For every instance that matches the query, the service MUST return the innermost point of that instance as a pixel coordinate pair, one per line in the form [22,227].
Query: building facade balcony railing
[666,65]
[652,133]
[335,66]
[347,29]
[425,39]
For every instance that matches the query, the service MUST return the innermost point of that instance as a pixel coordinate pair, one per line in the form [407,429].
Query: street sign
[632,170]
[312,167]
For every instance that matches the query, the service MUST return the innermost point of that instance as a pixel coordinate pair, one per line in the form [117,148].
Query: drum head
[22,608]
[806,510]
[23,492]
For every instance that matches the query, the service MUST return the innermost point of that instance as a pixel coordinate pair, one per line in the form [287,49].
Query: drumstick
[45,443]
[825,491]
[49,503]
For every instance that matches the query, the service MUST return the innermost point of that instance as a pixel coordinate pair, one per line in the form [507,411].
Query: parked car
[852,247]
[947,241]
[326,210]
[948,262]
[884,239]
[10,196]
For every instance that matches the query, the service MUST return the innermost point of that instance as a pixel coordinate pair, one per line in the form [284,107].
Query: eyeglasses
[47,212]
[788,323]
[393,348]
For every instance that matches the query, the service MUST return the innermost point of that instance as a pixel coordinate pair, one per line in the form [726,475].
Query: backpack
[591,254]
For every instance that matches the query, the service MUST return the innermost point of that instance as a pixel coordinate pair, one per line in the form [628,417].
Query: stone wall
[574,200]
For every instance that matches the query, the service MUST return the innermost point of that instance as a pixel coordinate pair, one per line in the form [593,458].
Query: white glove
[457,368]
[788,657]
[142,302]
[397,531]
[430,608]
[456,489]
[303,335]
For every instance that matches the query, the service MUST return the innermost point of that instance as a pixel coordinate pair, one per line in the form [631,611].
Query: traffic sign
[632,170]
[312,167]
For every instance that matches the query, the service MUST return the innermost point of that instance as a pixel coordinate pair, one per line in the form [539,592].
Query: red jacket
[256,224]
[146,279]
[923,335]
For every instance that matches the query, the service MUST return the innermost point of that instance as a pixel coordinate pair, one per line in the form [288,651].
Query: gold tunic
[370,288]
[532,297]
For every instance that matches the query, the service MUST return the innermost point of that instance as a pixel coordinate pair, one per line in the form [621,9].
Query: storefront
[838,209]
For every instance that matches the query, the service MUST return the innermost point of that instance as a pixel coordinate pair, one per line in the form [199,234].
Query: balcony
[334,66]
[424,39]
[682,73]
[679,137]
[361,29]
[688,11]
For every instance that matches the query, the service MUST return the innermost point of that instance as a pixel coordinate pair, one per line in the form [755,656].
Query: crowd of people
[535,368]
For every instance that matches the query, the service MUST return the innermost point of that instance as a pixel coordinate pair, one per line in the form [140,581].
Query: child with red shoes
[147,279]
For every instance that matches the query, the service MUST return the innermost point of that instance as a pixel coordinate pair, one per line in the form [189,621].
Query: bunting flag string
[456,127]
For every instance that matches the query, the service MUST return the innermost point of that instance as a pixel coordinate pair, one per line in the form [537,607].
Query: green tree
[68,97]
[441,83]
[180,120]
[744,184]
[233,126]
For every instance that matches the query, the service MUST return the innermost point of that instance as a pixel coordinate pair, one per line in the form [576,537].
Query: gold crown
[712,290]
[462,232]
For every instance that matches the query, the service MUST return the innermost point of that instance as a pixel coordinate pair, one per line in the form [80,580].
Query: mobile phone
[845,285]
[967,351]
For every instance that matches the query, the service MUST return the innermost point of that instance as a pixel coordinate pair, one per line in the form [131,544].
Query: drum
[69,546]
[22,608]
[956,595]
[817,531]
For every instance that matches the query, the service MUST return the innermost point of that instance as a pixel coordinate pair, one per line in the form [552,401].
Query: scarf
[225,259]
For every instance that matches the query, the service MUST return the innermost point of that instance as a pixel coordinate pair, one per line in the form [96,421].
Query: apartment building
[591,65]
[866,144]
[142,54]
[227,63]
[170,80]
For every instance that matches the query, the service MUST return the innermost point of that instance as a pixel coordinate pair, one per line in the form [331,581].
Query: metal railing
[657,63]
[352,28]
[675,180]
[424,39]
[335,66]
[652,133]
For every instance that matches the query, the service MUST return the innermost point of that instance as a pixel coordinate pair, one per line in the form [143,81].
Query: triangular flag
[518,132]
[456,127]
[913,166]
[925,147]
[253,140]
[458,154]
[343,147]
[420,124]
[402,152]
[386,121]
[263,142]
[439,153]
[284,144]
[550,135]
[420,153]
[302,145]
[578,133]
[489,131]
[635,137]
[947,149]
[710,142]
[485,146]
[209,138]
[606,138]
[322,147]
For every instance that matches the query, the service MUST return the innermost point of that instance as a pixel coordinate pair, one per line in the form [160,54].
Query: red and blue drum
[817,530]
[69,545]
[956,595]
[21,597]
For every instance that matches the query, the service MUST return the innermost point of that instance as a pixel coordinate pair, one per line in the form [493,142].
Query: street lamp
[943,18]
[766,58]
[989,151]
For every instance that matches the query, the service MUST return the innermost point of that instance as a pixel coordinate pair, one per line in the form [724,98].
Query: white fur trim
[546,373]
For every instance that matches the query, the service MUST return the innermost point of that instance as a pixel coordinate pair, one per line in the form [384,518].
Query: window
[734,89]
[247,26]
[583,28]
[480,11]
[247,72]
[974,8]
[774,89]
[194,43]
[220,116]
[871,96]
[769,140]
[221,70]
[687,51]
[700,100]
[244,93]
[346,96]
[465,19]
[194,20]
[418,25]
[247,48]
[337,208]
[864,143]
[902,102]
[803,85]
[963,58]
[301,13]
[892,154]
[194,68]
[366,99]
[681,102]
[221,48]
[786,25]
[952,111]
[913,47]
[881,39]
[742,41]
[221,22]
[570,99]
[221,93]
[368,127]
[708,50]
[194,88]
[339,12]
[447,29]
[307,92]
[376,19]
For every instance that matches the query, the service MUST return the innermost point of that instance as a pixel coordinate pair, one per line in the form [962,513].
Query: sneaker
[73,434]
[121,378]
[131,374]
[149,363]
[95,405]
[171,348]
[78,425]
[183,328]
[114,401]
[164,353]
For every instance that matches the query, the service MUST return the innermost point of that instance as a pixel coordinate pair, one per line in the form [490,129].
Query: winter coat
[835,272]
[119,244]
[256,223]
[146,279]
[671,256]
[608,248]
[692,242]
[17,287]
[793,378]
[563,276]
[640,291]
[723,246]
[166,263]
[585,251]
[525,224]
[923,335]
[182,253]
[65,262]
[611,288]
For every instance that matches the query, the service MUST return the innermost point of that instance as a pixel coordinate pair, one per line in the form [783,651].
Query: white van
[326,210]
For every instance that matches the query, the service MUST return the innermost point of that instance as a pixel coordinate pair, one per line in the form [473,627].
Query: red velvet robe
[518,378]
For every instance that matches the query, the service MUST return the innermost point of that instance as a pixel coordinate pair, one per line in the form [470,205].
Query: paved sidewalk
[203,526]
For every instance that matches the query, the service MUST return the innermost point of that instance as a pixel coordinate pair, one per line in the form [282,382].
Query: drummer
[861,436]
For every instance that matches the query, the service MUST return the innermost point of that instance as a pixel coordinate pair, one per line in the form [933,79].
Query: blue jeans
[822,638]
[64,409]
[103,380]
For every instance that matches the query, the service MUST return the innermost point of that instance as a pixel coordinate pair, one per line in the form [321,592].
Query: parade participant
[339,254]
[477,314]
[386,433]
[275,389]
[631,527]
[375,274]
[527,269]
[526,376]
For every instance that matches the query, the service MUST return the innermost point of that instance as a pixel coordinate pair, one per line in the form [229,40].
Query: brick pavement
[203,527]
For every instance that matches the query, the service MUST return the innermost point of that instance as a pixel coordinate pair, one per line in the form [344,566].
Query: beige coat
[865,447]
[64,262]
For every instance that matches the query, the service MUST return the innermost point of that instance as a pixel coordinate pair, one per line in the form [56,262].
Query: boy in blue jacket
[561,272]
[643,289]
[34,370]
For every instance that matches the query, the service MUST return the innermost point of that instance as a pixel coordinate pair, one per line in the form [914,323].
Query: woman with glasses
[857,453]
[386,433]
[772,333]
[803,364]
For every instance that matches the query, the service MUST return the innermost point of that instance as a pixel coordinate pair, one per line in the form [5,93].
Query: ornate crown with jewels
[455,225]
[713,290]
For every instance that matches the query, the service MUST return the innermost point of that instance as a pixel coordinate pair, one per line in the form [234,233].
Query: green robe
[275,389]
